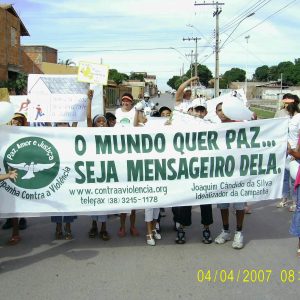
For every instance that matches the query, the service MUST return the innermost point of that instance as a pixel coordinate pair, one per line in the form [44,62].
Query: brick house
[11,54]
[15,58]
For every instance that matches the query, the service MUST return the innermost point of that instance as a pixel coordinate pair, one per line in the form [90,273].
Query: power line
[125,50]
[256,7]
[258,24]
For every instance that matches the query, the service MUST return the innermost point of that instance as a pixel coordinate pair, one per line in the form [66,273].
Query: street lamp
[246,82]
[238,24]
[192,26]
[217,79]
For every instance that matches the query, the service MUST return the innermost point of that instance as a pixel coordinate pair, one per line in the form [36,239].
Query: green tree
[203,73]
[179,81]
[117,77]
[273,73]
[136,76]
[261,73]
[19,85]
[171,82]
[234,74]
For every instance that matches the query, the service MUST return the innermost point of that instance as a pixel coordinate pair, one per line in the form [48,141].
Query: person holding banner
[14,223]
[125,113]
[111,119]
[291,104]
[125,117]
[12,174]
[97,121]
[295,224]
[184,95]
[183,215]
[59,220]
[224,236]
[151,214]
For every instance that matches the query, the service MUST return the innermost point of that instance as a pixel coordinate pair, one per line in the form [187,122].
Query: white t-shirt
[184,105]
[294,129]
[124,118]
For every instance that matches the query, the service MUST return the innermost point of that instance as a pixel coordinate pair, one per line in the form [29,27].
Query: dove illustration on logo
[36,160]
[31,168]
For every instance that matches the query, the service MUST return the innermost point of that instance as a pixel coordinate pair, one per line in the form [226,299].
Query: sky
[148,36]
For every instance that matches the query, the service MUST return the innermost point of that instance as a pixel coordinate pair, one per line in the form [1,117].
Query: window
[13,36]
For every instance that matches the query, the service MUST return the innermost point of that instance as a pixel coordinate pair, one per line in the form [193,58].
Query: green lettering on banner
[148,169]
[103,146]
[90,172]
[111,172]
[219,167]
[173,174]
[242,139]
[133,143]
[160,169]
[107,171]
[116,144]
[178,146]
[194,171]
[160,143]
[230,137]
[254,164]
[256,131]
[272,164]
[183,170]
[77,166]
[147,143]
[229,165]
[135,170]
[204,167]
[80,145]
[212,140]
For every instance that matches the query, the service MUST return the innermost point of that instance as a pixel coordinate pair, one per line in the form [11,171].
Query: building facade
[11,30]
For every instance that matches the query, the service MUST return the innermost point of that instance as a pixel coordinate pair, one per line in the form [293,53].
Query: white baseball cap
[199,102]
[187,89]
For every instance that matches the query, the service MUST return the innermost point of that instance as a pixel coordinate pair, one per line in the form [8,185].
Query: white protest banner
[20,103]
[56,98]
[93,73]
[65,171]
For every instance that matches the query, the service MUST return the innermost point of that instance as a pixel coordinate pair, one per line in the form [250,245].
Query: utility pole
[196,52]
[246,80]
[217,50]
[191,65]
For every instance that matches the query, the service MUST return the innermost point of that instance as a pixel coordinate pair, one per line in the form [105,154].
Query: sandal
[150,240]
[93,232]
[282,203]
[180,239]
[68,235]
[58,235]
[14,240]
[104,235]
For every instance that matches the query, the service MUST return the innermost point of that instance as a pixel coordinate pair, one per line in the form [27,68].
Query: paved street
[40,267]
[43,268]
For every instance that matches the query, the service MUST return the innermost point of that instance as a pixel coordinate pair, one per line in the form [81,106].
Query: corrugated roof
[65,85]
[10,9]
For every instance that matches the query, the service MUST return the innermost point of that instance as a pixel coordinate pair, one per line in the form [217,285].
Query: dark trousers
[183,214]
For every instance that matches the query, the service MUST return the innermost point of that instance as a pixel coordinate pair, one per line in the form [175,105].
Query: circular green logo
[36,161]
